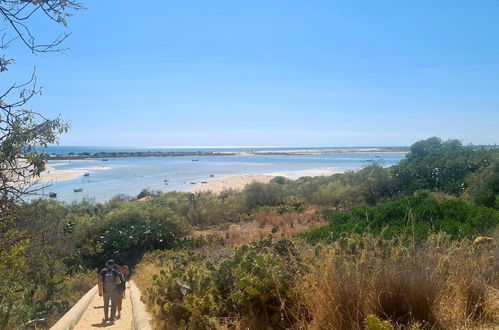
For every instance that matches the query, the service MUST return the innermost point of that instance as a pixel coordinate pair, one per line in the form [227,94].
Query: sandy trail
[92,318]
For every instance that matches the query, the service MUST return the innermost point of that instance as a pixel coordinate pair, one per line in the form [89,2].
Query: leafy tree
[23,136]
[44,223]
[484,186]
[22,131]
[439,166]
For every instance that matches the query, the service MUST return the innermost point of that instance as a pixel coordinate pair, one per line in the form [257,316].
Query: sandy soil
[92,318]
[239,181]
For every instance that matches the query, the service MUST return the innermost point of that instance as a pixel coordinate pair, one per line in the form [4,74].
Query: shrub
[248,286]
[484,186]
[413,218]
[439,165]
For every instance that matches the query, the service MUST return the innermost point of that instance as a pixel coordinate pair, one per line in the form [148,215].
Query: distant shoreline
[104,155]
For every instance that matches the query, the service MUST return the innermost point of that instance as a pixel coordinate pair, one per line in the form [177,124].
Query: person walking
[120,290]
[109,279]
[125,271]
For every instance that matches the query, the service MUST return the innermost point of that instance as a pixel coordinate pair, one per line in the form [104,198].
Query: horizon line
[227,147]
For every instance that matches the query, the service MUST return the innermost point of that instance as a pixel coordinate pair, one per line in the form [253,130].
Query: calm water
[131,175]
[82,149]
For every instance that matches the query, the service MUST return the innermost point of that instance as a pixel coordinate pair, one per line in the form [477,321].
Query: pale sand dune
[239,181]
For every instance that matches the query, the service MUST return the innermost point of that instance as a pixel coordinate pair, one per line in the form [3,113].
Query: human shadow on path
[102,325]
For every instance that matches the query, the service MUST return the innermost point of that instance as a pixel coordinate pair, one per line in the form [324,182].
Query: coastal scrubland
[378,248]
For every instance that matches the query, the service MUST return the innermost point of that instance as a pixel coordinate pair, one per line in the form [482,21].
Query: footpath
[89,311]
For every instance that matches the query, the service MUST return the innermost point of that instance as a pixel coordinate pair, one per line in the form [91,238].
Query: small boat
[204,182]
[193,182]
[78,190]
[86,174]
[52,195]
[195,160]
[105,160]
[212,175]
[165,180]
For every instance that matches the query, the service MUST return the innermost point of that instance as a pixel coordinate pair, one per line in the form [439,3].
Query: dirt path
[92,318]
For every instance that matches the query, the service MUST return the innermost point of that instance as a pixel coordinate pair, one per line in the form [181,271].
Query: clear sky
[280,72]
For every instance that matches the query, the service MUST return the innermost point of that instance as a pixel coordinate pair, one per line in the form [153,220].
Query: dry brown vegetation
[264,222]
[359,282]
[442,285]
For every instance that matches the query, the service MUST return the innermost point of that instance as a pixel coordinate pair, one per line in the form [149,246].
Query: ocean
[129,176]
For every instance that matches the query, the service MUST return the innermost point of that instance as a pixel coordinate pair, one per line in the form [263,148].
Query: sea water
[130,175]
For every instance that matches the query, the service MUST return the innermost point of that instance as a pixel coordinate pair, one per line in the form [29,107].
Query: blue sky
[287,73]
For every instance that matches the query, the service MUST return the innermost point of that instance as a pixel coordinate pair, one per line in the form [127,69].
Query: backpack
[109,281]
[122,286]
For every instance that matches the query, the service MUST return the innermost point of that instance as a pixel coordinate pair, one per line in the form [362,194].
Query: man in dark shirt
[108,281]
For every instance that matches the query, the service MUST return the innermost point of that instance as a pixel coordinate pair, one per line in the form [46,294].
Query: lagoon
[129,176]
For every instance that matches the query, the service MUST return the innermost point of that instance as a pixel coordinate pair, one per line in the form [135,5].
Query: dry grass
[143,274]
[264,223]
[443,285]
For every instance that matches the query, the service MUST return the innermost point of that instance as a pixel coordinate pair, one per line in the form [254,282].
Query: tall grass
[441,284]
[361,281]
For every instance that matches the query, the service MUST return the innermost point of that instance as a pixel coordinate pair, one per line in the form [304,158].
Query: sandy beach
[53,174]
[132,175]
[239,181]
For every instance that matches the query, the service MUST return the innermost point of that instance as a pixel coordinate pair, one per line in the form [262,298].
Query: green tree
[24,134]
[439,166]
[484,186]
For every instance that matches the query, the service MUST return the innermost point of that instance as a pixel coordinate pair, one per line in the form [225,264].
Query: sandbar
[239,181]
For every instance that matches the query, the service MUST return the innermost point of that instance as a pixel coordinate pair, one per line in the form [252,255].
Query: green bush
[440,166]
[248,286]
[413,217]
[484,186]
